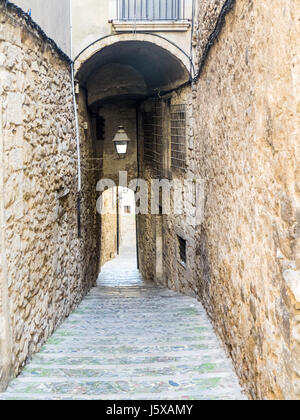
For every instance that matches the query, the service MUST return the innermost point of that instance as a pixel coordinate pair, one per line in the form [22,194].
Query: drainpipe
[138,172]
[75,104]
[76,127]
[118,221]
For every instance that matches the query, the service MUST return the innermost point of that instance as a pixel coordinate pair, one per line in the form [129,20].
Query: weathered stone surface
[49,268]
[293,281]
[102,351]
[14,108]
[242,139]
[243,262]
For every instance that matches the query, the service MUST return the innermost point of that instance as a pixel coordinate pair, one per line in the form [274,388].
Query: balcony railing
[150,10]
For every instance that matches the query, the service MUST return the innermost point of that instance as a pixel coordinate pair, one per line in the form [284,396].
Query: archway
[118,221]
[157,62]
[161,64]
[116,75]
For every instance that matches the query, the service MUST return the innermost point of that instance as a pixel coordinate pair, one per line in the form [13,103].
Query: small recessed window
[100,128]
[182,249]
[127,209]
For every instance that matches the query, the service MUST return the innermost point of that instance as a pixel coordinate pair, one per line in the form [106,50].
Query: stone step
[144,323]
[102,333]
[203,356]
[205,395]
[131,349]
[154,319]
[109,371]
[176,379]
[123,386]
[99,338]
[151,333]
[115,313]
[173,310]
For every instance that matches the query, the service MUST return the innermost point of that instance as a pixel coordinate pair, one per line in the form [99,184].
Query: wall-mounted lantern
[121,141]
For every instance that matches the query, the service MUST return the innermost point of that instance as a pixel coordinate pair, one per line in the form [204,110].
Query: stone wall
[127,220]
[121,113]
[109,226]
[109,223]
[110,165]
[243,141]
[45,268]
[248,148]
[158,234]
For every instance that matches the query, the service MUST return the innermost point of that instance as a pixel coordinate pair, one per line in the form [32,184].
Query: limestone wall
[109,226]
[243,141]
[45,268]
[122,113]
[248,148]
[161,231]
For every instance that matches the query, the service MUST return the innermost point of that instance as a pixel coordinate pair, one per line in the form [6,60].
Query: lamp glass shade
[121,141]
[121,148]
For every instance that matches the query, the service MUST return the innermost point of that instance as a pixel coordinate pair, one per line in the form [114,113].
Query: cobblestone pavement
[130,340]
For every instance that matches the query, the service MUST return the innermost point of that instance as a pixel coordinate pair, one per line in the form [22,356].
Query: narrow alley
[130,340]
[149,200]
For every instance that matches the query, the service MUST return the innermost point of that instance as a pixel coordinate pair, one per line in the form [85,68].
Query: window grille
[178,137]
[148,136]
[153,10]
[153,138]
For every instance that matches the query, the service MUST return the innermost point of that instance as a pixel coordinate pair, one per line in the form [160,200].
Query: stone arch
[169,65]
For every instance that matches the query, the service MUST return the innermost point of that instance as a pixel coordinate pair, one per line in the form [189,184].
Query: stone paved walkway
[130,340]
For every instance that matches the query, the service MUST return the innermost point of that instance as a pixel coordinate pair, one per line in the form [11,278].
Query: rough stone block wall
[108,238]
[206,19]
[147,243]
[146,222]
[248,148]
[244,258]
[109,227]
[45,267]
[175,275]
[110,165]
[115,115]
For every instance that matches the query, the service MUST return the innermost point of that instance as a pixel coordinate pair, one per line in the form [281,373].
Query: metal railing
[150,10]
